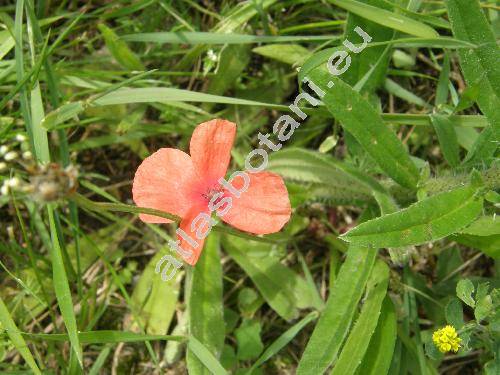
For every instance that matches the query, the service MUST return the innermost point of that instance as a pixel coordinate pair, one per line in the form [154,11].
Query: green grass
[393,181]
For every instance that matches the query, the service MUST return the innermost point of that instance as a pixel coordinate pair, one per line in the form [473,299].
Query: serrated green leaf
[334,323]
[428,220]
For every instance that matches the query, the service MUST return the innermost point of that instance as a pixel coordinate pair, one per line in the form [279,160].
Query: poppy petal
[195,219]
[263,208]
[166,181]
[210,148]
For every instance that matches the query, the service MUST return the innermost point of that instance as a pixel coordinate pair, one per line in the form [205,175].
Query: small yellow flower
[446,339]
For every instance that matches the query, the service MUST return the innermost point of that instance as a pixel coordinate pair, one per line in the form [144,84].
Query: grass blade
[283,340]
[61,288]
[386,18]
[206,357]
[17,339]
[189,37]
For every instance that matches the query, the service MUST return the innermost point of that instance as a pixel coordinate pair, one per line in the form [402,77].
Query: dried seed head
[52,182]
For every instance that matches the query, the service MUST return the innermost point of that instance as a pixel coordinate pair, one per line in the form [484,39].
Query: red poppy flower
[190,187]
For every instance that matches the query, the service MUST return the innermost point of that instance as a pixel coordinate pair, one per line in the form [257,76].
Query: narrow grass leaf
[61,288]
[166,94]
[386,18]
[356,344]
[190,37]
[206,320]
[103,337]
[333,325]
[428,220]
[205,356]
[287,53]
[16,338]
[283,340]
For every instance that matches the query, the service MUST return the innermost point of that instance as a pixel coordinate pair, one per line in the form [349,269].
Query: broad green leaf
[381,349]
[386,18]
[232,62]
[484,226]
[428,220]
[119,49]
[465,290]
[358,117]
[490,245]
[480,64]
[283,289]
[447,137]
[206,357]
[484,303]
[357,342]
[206,316]
[320,58]
[155,300]
[287,53]
[333,325]
[16,338]
[454,313]
[483,149]
[248,338]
